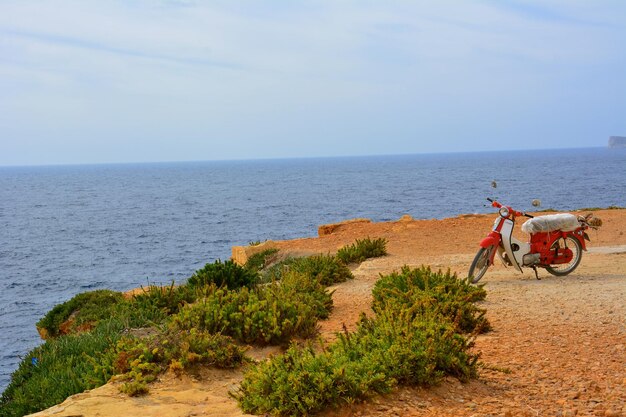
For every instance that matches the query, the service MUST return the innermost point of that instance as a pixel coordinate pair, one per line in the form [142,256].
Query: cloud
[230,78]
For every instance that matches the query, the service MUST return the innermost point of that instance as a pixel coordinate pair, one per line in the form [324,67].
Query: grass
[601,208]
[57,369]
[586,209]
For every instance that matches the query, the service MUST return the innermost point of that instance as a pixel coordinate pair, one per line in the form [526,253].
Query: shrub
[227,274]
[305,291]
[421,290]
[85,309]
[260,260]
[382,353]
[301,382]
[270,314]
[138,361]
[416,349]
[168,299]
[403,344]
[326,269]
[362,249]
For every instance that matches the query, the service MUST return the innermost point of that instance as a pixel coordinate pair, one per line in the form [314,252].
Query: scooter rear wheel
[577,249]
[480,264]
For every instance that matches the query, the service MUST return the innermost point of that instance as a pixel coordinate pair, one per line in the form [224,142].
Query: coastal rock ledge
[617,142]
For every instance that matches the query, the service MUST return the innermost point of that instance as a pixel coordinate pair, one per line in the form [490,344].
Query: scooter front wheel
[480,264]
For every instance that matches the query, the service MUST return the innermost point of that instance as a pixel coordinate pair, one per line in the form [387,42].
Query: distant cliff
[617,142]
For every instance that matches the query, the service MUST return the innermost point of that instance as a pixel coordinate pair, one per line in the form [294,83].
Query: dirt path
[558,347]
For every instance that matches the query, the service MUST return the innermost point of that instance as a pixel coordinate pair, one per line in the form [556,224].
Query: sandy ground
[558,347]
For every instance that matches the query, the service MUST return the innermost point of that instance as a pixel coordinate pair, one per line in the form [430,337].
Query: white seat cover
[562,221]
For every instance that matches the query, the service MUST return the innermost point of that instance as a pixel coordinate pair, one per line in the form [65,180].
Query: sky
[86,82]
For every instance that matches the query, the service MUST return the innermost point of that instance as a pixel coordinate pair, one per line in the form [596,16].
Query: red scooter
[556,242]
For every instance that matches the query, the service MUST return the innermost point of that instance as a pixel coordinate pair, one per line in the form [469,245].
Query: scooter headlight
[504,212]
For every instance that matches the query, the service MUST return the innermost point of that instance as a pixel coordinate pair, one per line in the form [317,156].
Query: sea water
[70,229]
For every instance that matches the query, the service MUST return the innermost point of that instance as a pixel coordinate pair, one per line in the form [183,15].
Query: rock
[241,254]
[329,229]
[617,142]
[43,333]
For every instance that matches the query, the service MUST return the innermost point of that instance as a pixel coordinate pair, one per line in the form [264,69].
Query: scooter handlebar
[496,204]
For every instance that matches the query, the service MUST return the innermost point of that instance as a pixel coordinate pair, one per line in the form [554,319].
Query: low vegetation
[57,369]
[260,260]
[422,291]
[224,274]
[101,334]
[362,249]
[416,337]
[401,345]
[326,269]
[82,310]
[138,361]
[270,314]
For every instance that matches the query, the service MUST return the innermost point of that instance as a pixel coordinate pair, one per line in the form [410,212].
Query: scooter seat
[562,221]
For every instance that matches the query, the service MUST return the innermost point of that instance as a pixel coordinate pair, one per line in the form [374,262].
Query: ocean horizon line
[287,158]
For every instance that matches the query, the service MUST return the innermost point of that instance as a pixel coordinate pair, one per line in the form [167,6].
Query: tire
[480,264]
[567,242]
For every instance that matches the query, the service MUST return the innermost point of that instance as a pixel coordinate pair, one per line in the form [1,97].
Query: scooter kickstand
[536,273]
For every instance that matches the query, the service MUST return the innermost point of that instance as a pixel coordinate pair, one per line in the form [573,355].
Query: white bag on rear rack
[562,221]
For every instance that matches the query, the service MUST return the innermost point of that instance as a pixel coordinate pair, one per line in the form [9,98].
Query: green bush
[305,291]
[168,299]
[67,365]
[260,260]
[301,382]
[87,308]
[383,352]
[269,314]
[326,269]
[403,344]
[362,249]
[227,274]
[421,290]
[138,361]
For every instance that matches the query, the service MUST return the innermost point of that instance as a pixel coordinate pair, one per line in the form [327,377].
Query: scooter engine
[531,259]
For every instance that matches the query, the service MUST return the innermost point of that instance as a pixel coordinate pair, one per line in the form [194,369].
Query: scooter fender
[580,235]
[492,238]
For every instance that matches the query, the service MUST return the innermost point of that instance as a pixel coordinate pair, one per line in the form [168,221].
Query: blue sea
[70,229]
